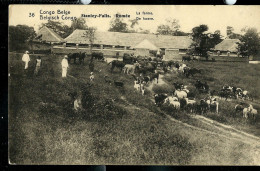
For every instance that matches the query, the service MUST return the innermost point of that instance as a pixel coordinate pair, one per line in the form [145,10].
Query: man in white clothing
[26,59]
[64,65]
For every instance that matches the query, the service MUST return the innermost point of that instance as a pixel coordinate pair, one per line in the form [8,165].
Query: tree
[118,25]
[203,42]
[58,27]
[249,43]
[20,36]
[133,22]
[90,34]
[170,28]
[79,23]
[231,34]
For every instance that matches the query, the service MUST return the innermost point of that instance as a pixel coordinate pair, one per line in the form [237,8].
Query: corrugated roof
[51,36]
[145,44]
[227,45]
[130,39]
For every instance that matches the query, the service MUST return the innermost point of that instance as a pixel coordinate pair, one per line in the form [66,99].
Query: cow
[154,76]
[190,104]
[180,94]
[159,98]
[178,86]
[118,83]
[137,85]
[186,58]
[128,59]
[97,55]
[118,64]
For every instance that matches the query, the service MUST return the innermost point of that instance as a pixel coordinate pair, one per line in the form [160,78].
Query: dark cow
[118,64]
[186,58]
[128,59]
[225,94]
[159,99]
[80,56]
[97,55]
[154,76]
[118,83]
[203,106]
[178,86]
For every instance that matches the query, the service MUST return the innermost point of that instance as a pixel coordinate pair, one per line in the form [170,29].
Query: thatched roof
[130,39]
[48,35]
[145,44]
[227,45]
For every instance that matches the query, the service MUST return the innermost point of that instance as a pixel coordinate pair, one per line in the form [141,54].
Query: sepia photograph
[134,85]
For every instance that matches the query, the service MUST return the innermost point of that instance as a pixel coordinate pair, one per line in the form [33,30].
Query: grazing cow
[97,55]
[170,99]
[203,106]
[194,71]
[159,98]
[245,112]
[128,59]
[186,58]
[225,94]
[190,104]
[130,69]
[178,86]
[180,94]
[154,76]
[196,58]
[239,108]
[137,85]
[252,111]
[118,83]
[213,103]
[118,64]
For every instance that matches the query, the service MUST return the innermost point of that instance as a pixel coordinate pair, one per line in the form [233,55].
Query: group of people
[26,59]
[64,65]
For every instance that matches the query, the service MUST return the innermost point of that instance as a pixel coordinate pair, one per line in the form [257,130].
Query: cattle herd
[146,70]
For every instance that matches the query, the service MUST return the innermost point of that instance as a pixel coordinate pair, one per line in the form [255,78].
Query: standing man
[91,66]
[64,65]
[26,59]
[38,65]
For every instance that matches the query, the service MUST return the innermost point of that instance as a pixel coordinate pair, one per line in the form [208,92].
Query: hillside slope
[120,127]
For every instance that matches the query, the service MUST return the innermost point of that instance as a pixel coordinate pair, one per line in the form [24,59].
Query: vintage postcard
[134,85]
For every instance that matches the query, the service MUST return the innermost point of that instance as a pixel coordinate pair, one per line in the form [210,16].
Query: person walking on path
[38,65]
[26,59]
[91,66]
[64,65]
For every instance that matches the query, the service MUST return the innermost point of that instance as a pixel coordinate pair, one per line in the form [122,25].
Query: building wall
[142,52]
[172,54]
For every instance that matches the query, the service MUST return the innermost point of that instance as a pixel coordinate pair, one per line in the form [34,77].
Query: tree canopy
[118,25]
[249,42]
[202,41]
[20,35]
[171,27]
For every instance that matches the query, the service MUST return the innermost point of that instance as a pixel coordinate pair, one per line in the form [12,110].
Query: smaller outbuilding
[228,47]
[47,35]
[143,48]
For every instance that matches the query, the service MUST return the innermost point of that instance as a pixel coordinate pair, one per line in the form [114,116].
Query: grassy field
[120,126]
[218,74]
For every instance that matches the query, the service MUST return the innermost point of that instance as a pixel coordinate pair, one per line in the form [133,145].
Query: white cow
[137,86]
[180,94]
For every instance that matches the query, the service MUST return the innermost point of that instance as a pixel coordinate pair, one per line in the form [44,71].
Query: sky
[216,17]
